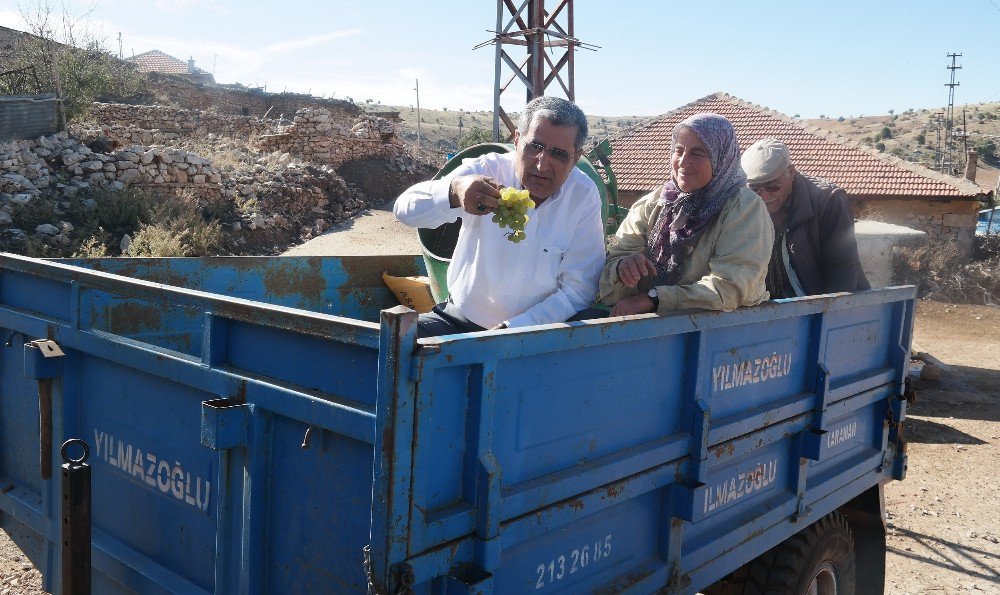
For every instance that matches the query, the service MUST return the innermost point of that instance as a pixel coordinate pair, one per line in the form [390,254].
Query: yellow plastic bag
[412,292]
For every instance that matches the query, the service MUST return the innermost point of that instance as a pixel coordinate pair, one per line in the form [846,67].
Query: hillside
[914,135]
[439,129]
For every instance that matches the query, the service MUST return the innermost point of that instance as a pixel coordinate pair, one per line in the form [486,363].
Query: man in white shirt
[550,276]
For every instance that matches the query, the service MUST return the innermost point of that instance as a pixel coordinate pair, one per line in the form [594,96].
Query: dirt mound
[381,179]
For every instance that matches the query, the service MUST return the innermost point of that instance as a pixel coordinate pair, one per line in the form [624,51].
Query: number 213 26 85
[572,562]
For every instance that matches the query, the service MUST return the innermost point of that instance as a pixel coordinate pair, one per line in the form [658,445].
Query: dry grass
[943,273]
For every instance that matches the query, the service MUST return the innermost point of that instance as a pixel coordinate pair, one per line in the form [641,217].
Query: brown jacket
[820,238]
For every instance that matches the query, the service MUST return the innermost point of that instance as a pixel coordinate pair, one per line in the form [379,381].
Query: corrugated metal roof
[28,116]
[640,157]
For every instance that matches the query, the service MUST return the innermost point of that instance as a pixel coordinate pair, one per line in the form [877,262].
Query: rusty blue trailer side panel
[639,454]
[231,440]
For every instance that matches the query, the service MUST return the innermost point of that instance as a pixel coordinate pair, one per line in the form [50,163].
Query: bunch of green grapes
[513,212]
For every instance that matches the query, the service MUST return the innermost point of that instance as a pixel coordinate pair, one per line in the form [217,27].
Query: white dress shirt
[548,277]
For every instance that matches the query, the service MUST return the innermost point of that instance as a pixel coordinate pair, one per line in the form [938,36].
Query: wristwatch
[655,296]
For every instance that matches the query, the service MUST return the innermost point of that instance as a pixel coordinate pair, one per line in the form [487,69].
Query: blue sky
[810,58]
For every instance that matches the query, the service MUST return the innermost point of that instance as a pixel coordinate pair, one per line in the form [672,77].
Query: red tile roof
[157,61]
[640,158]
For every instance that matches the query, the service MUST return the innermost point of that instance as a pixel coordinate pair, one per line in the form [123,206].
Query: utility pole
[965,141]
[950,116]
[119,45]
[417,89]
[541,33]
[939,117]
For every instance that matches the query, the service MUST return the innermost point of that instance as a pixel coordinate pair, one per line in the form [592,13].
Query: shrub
[121,212]
[987,149]
[91,247]
[179,230]
[941,271]
[880,146]
[475,136]
[921,139]
[886,133]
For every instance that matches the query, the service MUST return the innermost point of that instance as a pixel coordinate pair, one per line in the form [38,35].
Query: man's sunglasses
[770,187]
[534,148]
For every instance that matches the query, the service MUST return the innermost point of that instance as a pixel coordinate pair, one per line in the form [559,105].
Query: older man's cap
[765,160]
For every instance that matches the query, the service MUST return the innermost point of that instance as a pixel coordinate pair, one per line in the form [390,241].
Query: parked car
[988,222]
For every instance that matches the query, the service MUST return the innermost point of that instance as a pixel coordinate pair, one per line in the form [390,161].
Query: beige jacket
[726,269]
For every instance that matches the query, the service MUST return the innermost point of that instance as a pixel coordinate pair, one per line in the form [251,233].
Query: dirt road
[944,528]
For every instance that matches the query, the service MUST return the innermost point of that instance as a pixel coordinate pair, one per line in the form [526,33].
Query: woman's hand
[633,267]
[636,304]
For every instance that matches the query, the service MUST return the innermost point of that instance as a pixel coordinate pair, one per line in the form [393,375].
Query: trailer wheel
[818,560]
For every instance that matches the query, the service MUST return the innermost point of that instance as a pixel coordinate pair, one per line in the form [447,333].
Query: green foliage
[121,212]
[92,247]
[77,67]
[886,133]
[475,136]
[880,146]
[987,149]
[180,230]
[840,119]
[921,139]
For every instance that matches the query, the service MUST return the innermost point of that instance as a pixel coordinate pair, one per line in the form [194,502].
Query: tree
[987,149]
[921,139]
[886,133]
[76,65]
[475,136]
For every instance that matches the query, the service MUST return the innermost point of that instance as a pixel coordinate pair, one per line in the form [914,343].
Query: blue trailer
[272,425]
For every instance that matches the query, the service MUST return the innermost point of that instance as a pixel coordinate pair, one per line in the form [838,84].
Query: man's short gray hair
[557,111]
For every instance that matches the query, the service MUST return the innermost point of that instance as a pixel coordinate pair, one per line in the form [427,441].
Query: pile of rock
[315,135]
[291,194]
[29,165]
[272,192]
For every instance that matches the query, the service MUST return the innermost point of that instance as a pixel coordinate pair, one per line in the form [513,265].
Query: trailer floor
[944,528]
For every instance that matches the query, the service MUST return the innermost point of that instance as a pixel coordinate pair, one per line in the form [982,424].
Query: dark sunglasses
[534,148]
[771,187]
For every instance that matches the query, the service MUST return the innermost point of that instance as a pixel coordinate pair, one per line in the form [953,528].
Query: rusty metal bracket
[43,362]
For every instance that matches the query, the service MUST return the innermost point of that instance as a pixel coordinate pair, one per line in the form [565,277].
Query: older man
[551,275]
[814,247]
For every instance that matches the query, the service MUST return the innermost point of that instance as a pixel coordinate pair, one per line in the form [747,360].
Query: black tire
[822,553]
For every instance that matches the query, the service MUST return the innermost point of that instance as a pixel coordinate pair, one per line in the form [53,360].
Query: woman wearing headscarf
[703,240]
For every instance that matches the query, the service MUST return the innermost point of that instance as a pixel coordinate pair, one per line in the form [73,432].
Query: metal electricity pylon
[542,34]
[946,157]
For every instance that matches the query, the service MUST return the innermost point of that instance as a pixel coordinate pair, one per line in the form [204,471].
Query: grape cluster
[513,212]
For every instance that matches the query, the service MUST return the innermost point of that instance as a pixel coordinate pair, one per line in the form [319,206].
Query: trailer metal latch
[48,347]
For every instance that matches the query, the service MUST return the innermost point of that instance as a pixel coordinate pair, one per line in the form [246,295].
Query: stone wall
[318,136]
[158,124]
[243,101]
[951,221]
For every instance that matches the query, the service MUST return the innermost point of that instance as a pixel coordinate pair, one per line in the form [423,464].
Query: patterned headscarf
[686,215]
